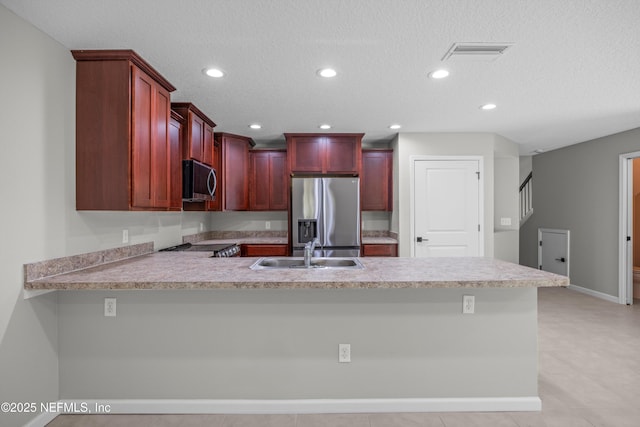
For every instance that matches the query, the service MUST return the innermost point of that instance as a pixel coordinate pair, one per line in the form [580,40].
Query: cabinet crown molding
[220,135]
[122,55]
[323,134]
[188,106]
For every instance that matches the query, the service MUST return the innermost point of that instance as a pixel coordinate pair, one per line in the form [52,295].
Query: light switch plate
[505,221]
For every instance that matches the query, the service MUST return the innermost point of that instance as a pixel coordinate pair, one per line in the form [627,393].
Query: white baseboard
[41,420]
[593,293]
[294,406]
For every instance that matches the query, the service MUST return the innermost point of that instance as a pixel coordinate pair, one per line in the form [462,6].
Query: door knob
[560,259]
[420,239]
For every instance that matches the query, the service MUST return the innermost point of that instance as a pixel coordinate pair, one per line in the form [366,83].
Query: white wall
[441,144]
[526,166]
[500,158]
[38,217]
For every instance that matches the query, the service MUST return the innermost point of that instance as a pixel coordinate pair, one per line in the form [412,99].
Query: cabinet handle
[212,191]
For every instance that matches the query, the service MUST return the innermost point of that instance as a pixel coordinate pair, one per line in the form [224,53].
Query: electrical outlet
[505,221]
[344,353]
[110,307]
[267,225]
[125,236]
[468,304]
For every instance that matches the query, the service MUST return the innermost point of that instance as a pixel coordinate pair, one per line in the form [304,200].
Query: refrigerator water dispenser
[307,230]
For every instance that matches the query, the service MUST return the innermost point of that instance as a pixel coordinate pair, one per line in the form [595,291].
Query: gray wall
[283,344]
[38,216]
[576,188]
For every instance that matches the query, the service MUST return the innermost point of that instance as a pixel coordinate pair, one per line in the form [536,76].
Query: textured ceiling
[573,73]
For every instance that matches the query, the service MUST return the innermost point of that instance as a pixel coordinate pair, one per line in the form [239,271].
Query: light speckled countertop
[284,241]
[247,240]
[197,270]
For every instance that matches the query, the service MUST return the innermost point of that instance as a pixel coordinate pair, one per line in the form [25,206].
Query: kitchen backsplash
[277,221]
[239,234]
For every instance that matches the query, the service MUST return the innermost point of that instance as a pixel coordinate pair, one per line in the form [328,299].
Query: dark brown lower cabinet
[380,249]
[264,249]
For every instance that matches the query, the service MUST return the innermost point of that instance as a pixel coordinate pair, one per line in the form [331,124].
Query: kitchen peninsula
[193,270]
[267,341]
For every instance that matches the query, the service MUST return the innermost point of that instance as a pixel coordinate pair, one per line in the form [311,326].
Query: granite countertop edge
[196,270]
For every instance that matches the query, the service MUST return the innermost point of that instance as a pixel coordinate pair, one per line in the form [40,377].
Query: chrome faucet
[309,247]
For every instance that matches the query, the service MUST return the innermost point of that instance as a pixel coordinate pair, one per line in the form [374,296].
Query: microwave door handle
[212,191]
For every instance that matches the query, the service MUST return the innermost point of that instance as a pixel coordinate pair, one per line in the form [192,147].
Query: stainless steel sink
[298,262]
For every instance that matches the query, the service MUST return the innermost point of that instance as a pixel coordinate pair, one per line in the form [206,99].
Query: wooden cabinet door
[161,160]
[175,135]
[379,250]
[268,189]
[196,137]
[307,154]
[279,182]
[216,204]
[142,107]
[150,143]
[235,153]
[260,182]
[207,147]
[342,154]
[249,249]
[377,180]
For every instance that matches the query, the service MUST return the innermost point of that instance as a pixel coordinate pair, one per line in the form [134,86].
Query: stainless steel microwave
[199,181]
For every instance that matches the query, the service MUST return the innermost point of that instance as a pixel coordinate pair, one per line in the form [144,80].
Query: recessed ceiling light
[395,127]
[255,126]
[327,72]
[488,106]
[213,72]
[325,126]
[439,74]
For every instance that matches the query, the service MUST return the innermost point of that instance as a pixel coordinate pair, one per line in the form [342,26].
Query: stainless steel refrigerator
[329,209]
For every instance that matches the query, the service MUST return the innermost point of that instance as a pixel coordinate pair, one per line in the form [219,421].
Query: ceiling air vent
[476,51]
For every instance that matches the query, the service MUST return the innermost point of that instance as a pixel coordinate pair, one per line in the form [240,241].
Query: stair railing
[526,198]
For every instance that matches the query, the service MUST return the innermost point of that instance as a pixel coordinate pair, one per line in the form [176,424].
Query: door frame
[412,172]
[557,231]
[625,227]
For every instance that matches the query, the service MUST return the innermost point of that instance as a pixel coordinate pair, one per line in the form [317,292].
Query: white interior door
[447,208]
[553,251]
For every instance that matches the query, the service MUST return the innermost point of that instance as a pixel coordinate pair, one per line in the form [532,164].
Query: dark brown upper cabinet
[123,150]
[197,135]
[311,153]
[377,180]
[268,185]
[234,163]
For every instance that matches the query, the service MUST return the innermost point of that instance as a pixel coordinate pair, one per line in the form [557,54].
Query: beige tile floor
[589,377]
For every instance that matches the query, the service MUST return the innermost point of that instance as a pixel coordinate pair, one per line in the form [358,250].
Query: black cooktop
[199,248]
